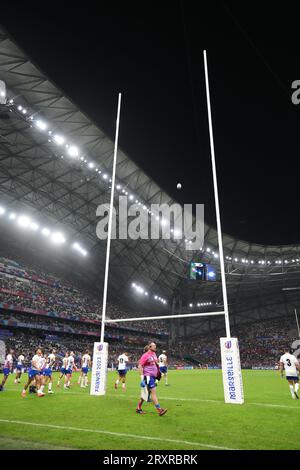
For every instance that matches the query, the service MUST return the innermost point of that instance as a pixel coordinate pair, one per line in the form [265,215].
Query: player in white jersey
[85,364]
[69,370]
[7,368]
[63,368]
[163,365]
[34,373]
[20,366]
[122,370]
[290,364]
[48,370]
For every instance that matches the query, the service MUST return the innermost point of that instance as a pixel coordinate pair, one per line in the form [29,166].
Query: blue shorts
[85,370]
[292,377]
[6,371]
[33,372]
[122,372]
[150,381]
[163,369]
[47,372]
[68,371]
[63,370]
[19,367]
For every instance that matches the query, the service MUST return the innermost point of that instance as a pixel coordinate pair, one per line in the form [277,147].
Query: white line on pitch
[117,434]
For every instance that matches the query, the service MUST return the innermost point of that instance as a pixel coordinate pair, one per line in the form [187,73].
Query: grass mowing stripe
[221,402]
[117,434]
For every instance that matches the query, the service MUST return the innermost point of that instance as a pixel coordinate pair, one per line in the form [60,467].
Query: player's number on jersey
[121,360]
[288,362]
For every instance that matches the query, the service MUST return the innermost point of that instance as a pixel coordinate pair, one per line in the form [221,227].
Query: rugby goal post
[231,366]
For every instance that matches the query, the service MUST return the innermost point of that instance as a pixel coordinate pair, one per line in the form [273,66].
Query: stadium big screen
[201,272]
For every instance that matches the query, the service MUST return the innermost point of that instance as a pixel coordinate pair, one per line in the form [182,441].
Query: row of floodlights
[139,289]
[201,304]
[73,151]
[262,262]
[25,222]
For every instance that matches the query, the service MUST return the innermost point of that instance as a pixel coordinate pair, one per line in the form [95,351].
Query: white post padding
[231,370]
[99,369]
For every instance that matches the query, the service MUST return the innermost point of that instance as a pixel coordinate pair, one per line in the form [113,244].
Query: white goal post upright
[100,354]
[231,366]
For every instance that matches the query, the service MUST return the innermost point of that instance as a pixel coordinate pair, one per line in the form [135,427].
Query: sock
[41,388]
[117,381]
[158,407]
[49,386]
[123,386]
[296,387]
[292,390]
[140,404]
[85,380]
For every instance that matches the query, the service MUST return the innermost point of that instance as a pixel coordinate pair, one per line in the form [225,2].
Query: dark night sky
[152,53]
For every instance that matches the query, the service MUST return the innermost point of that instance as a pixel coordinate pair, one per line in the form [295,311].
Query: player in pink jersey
[149,372]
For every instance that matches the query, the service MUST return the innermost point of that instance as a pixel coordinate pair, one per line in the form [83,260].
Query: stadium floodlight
[104,176]
[133,284]
[23,221]
[24,111]
[12,216]
[191,305]
[58,238]
[59,139]
[78,248]
[2,92]
[20,108]
[2,210]
[118,187]
[41,125]
[131,197]
[73,151]
[46,232]
[208,250]
[34,226]
[91,165]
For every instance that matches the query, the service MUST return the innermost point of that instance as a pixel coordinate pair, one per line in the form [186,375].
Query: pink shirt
[148,363]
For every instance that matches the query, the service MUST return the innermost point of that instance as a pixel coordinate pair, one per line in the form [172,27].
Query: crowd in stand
[24,288]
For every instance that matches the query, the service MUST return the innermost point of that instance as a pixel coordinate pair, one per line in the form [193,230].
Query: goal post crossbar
[164,317]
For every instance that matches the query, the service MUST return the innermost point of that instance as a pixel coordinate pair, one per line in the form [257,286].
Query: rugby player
[69,370]
[20,365]
[122,370]
[85,364]
[47,373]
[7,368]
[63,368]
[290,364]
[34,373]
[163,366]
[149,372]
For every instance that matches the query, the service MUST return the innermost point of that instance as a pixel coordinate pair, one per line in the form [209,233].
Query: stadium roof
[67,192]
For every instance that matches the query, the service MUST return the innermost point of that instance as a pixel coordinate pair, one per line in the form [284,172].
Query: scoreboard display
[201,272]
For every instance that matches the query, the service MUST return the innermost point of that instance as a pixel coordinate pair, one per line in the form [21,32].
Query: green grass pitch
[197,416]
